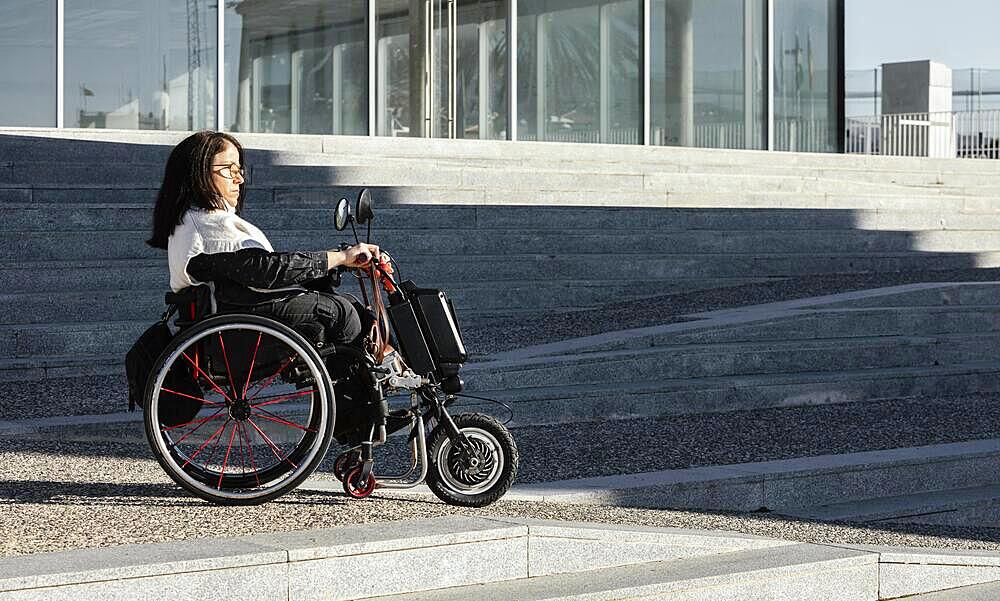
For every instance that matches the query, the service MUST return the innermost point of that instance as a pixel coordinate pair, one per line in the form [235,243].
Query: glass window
[297,67]
[140,65]
[578,71]
[481,64]
[806,75]
[707,73]
[28,63]
[392,70]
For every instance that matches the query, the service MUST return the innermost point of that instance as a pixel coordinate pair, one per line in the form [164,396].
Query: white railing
[974,134]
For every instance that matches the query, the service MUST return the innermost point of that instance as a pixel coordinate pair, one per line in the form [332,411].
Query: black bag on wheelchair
[141,359]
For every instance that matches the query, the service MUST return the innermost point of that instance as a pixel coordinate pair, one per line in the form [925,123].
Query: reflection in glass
[393,27]
[297,68]
[481,71]
[28,63]
[806,76]
[148,65]
[578,71]
[707,73]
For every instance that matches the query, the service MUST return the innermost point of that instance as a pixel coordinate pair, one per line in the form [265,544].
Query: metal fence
[970,134]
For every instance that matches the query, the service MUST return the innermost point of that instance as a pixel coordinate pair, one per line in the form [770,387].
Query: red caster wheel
[345,463]
[356,489]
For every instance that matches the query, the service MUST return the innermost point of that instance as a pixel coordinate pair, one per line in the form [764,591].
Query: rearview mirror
[364,212]
[342,214]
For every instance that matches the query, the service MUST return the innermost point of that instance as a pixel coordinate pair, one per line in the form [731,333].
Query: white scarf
[209,231]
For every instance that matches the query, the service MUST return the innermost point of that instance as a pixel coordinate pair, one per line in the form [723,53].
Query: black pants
[327,317]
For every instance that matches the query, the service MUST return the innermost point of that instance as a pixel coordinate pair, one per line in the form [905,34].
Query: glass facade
[139,65]
[28,62]
[708,73]
[578,71]
[807,76]
[302,69]
[437,68]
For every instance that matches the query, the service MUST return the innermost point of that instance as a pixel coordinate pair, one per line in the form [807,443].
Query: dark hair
[187,182]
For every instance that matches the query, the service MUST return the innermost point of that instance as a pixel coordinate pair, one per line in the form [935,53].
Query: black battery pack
[427,330]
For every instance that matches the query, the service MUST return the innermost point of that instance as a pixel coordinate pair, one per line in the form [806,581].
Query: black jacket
[234,273]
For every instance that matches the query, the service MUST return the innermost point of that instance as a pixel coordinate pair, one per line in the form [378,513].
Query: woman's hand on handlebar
[358,255]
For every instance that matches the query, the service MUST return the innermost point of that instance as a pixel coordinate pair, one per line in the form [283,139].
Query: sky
[958,33]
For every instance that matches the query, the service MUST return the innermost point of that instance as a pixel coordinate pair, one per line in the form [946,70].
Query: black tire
[286,366]
[452,481]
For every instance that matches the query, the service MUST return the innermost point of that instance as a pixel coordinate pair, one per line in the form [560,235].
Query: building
[759,74]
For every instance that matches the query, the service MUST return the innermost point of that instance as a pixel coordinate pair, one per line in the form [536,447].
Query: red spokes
[281,399]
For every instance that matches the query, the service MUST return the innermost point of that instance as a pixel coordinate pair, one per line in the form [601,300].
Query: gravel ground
[52,500]
[102,488]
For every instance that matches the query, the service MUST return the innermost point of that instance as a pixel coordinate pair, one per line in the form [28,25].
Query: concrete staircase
[934,339]
[508,228]
[501,558]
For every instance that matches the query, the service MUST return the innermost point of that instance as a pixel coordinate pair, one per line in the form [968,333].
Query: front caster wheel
[476,478]
[345,462]
[357,488]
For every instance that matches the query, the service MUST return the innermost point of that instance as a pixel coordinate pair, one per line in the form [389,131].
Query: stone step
[797,571]
[86,143]
[975,506]
[43,245]
[505,558]
[654,398]
[966,294]
[430,271]
[787,486]
[989,591]
[694,362]
[54,175]
[472,299]
[835,323]
[151,276]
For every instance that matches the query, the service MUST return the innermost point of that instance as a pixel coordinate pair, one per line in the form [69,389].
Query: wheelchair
[240,409]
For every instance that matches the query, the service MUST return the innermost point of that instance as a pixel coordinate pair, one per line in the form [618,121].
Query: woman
[196,220]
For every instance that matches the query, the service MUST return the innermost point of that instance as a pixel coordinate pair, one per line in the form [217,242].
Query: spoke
[215,447]
[226,460]
[282,398]
[193,398]
[271,379]
[225,358]
[253,360]
[204,375]
[274,418]
[270,443]
[253,466]
[200,423]
[205,444]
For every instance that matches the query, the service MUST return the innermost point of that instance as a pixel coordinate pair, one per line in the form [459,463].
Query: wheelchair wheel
[478,479]
[264,409]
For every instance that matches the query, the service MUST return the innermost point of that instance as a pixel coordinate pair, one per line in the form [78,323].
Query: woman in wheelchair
[197,221]
[243,403]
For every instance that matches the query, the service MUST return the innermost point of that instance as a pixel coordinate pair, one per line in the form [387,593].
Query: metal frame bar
[604,75]
[769,86]
[220,68]
[372,47]
[647,72]
[60,64]
[511,69]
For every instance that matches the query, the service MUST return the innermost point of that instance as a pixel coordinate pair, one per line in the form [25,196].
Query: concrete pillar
[420,125]
[922,91]
[679,126]
[916,87]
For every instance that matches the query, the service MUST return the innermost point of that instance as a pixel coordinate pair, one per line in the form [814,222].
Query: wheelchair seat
[192,304]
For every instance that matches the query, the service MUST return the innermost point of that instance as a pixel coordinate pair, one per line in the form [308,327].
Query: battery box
[427,331]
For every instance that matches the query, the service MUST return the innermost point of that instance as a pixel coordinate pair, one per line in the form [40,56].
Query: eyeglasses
[230,171]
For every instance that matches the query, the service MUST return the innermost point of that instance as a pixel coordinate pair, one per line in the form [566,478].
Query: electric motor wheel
[266,409]
[479,475]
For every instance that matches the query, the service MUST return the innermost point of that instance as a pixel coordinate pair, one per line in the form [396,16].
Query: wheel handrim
[463,478]
[251,437]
